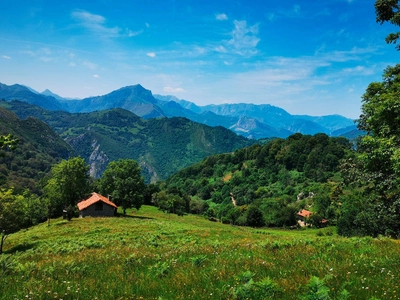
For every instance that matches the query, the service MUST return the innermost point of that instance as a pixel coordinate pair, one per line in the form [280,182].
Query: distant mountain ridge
[249,120]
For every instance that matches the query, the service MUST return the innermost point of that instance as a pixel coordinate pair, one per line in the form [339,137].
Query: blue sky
[307,57]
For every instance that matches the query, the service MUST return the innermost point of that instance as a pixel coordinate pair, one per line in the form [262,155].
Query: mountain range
[249,120]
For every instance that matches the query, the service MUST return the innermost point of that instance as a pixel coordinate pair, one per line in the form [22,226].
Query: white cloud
[244,38]
[220,49]
[89,65]
[72,64]
[96,24]
[151,54]
[221,17]
[169,89]
[96,76]
[271,17]
[6,57]
[131,33]
[359,70]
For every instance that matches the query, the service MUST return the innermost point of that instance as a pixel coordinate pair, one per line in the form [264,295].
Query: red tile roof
[92,200]
[304,213]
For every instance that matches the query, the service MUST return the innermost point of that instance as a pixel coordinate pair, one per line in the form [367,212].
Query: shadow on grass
[119,215]
[20,248]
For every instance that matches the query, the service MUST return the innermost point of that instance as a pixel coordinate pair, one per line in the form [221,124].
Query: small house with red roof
[303,216]
[97,206]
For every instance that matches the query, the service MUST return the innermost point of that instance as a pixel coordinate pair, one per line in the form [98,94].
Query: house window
[98,206]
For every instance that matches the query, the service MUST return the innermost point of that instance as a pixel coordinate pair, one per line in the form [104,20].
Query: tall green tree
[122,180]
[388,11]
[375,173]
[68,184]
[170,203]
[380,155]
[8,142]
[13,217]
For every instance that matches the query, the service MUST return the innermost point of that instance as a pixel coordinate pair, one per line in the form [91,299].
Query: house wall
[108,211]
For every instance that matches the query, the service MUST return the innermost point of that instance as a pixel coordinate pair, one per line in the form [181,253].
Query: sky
[305,56]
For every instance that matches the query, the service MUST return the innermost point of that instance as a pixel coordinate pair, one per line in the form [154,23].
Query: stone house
[97,206]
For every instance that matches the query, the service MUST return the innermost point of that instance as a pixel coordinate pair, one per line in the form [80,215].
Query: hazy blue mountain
[271,120]
[304,126]
[256,130]
[265,113]
[173,109]
[22,93]
[184,103]
[134,98]
[212,119]
[330,122]
[47,92]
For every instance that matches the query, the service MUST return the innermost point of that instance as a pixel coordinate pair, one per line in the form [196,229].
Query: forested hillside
[161,146]
[276,179]
[38,149]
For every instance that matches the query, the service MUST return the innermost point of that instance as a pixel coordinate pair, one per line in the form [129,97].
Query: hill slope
[151,255]
[39,148]
[161,146]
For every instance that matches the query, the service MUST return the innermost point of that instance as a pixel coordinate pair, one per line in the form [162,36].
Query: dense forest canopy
[277,178]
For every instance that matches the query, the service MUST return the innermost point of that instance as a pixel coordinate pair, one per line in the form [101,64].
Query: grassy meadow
[152,255]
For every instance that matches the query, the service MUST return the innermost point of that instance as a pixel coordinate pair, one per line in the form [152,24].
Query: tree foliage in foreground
[388,11]
[122,180]
[18,211]
[12,215]
[68,184]
[374,206]
[376,171]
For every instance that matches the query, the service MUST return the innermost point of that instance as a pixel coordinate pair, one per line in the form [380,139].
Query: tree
[377,167]
[388,11]
[170,203]
[8,141]
[69,183]
[12,215]
[254,217]
[376,170]
[122,180]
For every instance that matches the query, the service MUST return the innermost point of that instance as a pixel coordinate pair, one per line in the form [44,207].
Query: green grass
[151,255]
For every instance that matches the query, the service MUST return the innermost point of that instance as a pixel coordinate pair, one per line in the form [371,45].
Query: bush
[254,217]
[250,289]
